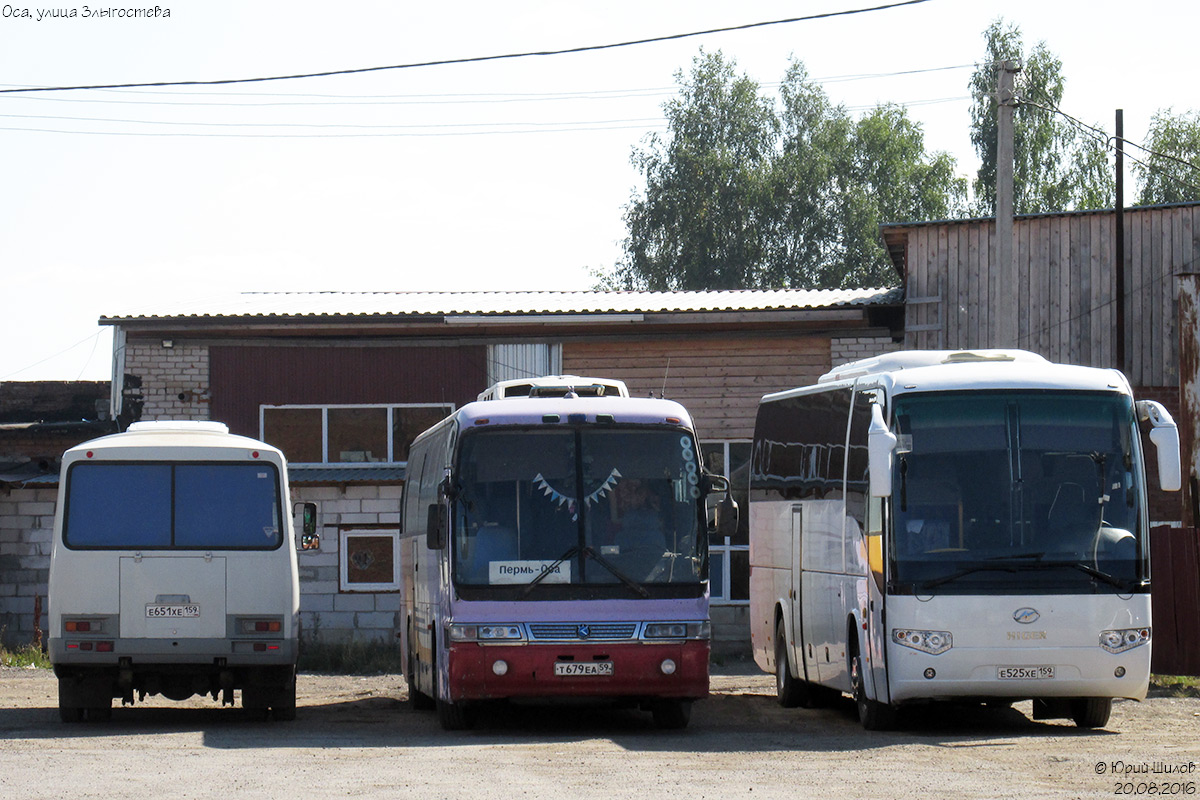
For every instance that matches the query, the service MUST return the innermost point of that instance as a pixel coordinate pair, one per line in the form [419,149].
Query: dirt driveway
[355,737]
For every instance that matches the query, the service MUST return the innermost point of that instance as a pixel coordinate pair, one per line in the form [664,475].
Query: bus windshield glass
[1017,491]
[537,509]
[172,506]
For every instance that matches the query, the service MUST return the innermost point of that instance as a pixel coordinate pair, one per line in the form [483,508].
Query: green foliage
[29,656]
[743,192]
[1171,172]
[1056,166]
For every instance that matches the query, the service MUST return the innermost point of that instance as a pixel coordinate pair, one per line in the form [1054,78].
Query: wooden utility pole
[1119,244]
[1006,290]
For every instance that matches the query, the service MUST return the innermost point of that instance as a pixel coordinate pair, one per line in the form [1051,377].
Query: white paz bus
[173,571]
[931,525]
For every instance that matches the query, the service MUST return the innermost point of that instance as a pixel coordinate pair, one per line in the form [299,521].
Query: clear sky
[506,174]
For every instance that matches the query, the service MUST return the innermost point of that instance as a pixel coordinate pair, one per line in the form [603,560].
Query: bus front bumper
[625,671]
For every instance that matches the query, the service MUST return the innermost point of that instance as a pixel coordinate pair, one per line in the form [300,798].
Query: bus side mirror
[1165,436]
[725,514]
[881,443]
[309,538]
[435,526]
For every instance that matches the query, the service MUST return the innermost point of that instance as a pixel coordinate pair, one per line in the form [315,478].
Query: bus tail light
[260,625]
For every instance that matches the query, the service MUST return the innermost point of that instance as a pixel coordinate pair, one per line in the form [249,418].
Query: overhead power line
[473,59]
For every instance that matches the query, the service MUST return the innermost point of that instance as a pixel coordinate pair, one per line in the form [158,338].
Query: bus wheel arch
[872,714]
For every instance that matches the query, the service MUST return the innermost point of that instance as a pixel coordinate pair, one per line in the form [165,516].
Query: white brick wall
[26,528]
[843,351]
[174,379]
[327,613]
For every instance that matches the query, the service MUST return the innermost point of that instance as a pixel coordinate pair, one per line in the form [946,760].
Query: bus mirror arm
[1165,436]
[881,443]
[309,538]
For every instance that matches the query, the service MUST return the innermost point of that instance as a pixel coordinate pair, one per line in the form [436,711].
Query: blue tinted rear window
[161,506]
[118,505]
[226,505]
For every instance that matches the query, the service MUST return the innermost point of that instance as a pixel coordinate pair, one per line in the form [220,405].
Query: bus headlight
[485,633]
[677,630]
[1118,641]
[932,642]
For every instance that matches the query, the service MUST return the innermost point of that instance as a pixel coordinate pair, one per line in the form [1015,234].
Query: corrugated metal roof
[299,475]
[407,304]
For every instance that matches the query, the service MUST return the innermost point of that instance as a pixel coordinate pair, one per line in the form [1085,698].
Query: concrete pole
[1006,327]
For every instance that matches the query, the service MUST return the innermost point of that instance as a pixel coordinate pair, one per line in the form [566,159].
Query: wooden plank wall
[1175,601]
[1065,287]
[719,380]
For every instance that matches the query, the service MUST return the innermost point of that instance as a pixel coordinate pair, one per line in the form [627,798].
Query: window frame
[344,537]
[324,408]
[726,548]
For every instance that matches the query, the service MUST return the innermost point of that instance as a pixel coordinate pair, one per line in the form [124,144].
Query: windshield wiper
[953,576]
[588,552]
[549,569]
[1100,575]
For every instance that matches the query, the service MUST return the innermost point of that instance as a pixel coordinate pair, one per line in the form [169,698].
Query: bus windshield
[1017,491]
[538,508]
[172,506]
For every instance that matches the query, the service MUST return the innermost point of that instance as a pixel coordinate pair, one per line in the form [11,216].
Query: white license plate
[567,668]
[1025,673]
[159,610]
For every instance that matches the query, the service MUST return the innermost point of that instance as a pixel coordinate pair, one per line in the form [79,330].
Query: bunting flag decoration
[560,499]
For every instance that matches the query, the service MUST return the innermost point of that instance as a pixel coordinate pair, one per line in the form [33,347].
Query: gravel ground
[355,737]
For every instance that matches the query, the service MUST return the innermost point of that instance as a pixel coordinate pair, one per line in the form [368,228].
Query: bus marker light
[930,673]
[668,666]
[500,667]
[1119,672]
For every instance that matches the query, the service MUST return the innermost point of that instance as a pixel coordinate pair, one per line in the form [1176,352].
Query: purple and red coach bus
[555,545]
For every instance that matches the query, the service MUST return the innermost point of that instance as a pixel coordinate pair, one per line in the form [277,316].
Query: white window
[370,561]
[729,556]
[344,434]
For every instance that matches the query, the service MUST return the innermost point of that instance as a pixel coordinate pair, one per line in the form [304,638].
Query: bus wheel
[788,690]
[1091,712]
[873,715]
[672,714]
[455,716]
[69,713]
[283,708]
[418,700]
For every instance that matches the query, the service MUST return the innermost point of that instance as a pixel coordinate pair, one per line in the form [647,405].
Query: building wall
[26,528]
[167,382]
[719,380]
[1060,302]
[327,613]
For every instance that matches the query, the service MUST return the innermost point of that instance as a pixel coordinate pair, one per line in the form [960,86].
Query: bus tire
[67,713]
[671,714]
[283,708]
[1091,712]
[418,700]
[788,690]
[455,716]
[873,715]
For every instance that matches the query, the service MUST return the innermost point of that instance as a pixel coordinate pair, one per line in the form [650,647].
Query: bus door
[821,589]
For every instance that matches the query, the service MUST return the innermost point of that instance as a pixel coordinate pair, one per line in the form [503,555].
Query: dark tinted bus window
[226,505]
[118,505]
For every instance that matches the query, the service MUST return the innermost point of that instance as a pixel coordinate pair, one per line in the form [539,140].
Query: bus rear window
[166,506]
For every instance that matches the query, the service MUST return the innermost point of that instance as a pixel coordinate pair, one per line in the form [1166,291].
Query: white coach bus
[931,525]
[173,571]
